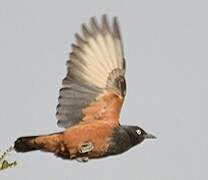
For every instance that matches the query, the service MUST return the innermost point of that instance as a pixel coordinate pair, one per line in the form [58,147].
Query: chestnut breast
[99,133]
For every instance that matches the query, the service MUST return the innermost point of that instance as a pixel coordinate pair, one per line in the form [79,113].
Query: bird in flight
[90,100]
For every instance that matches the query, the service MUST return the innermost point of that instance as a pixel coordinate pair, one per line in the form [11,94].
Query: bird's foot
[82,159]
[86,147]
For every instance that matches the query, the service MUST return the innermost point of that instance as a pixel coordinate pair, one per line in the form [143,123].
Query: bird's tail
[49,143]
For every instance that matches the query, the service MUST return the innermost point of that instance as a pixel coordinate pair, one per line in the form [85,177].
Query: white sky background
[166,54]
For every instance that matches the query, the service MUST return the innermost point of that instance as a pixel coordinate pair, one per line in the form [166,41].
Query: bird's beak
[149,136]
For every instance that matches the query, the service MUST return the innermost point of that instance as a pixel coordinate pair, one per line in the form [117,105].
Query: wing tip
[116,27]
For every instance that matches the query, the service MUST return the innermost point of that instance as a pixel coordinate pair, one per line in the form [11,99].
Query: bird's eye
[138,131]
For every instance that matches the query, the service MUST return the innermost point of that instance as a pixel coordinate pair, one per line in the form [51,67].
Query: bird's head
[138,135]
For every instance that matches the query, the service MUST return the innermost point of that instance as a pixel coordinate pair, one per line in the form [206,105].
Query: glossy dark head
[137,134]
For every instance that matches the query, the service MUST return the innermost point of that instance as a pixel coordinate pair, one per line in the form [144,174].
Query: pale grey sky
[166,54]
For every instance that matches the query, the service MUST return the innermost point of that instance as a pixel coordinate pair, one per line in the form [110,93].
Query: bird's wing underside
[94,87]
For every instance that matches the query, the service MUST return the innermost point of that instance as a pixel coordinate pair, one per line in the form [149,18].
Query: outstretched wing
[94,87]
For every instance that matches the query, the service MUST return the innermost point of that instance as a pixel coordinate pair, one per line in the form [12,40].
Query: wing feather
[95,72]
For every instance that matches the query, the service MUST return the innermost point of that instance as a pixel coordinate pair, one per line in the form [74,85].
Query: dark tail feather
[25,144]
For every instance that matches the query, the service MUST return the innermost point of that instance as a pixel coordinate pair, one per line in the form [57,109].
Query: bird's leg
[86,147]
